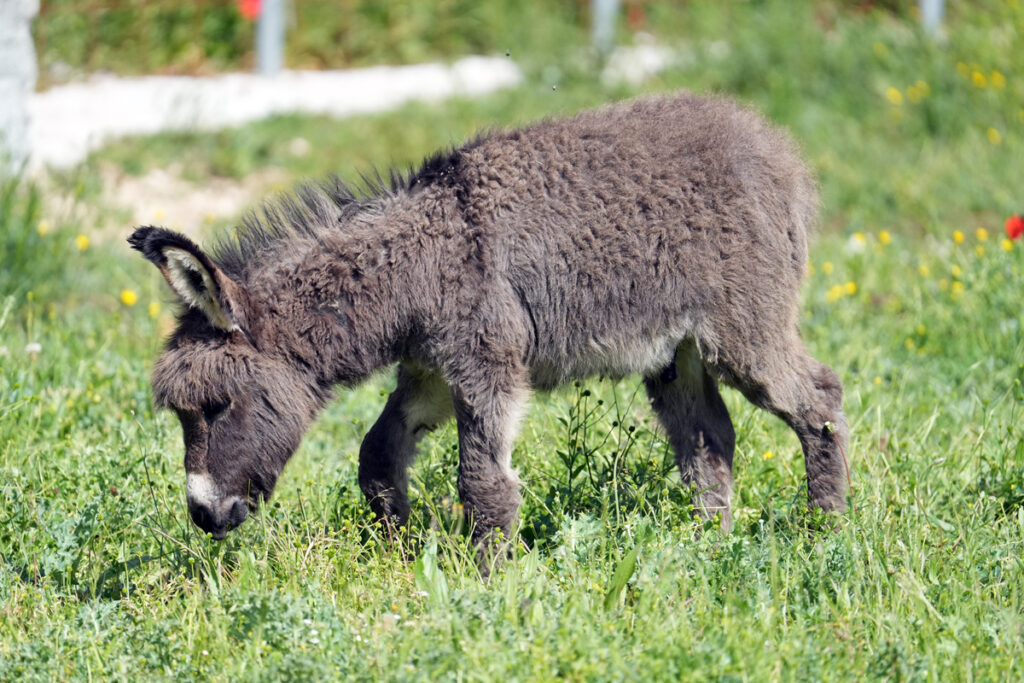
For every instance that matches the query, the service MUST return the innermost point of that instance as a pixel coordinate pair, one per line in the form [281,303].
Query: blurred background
[156,112]
[856,82]
[850,79]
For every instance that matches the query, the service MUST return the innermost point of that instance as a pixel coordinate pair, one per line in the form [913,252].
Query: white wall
[17,79]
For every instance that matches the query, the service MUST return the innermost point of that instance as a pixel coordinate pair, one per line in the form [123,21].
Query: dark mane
[316,206]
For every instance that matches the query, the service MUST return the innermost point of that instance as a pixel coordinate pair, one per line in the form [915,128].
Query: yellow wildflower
[1006,244]
[850,288]
[43,227]
[834,293]
[981,234]
[957,290]
[894,96]
[921,329]
[129,297]
[958,237]
[767,455]
[878,380]
[909,344]
[884,237]
[994,136]
[956,270]
[924,270]
[82,242]
[913,94]
[827,267]
[979,250]
[154,309]
[979,79]
[997,79]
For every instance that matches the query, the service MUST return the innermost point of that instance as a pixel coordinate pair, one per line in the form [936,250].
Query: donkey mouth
[218,524]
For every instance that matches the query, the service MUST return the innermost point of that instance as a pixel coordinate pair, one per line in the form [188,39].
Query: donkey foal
[665,236]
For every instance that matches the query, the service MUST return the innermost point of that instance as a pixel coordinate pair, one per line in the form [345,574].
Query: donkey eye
[214,409]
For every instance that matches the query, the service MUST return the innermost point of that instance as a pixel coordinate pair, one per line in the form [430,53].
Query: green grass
[75,37]
[103,576]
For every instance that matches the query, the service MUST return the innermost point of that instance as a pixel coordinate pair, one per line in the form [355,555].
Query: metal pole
[931,15]
[603,30]
[270,37]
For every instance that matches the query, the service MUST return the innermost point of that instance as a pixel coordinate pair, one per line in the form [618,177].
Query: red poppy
[249,9]
[1014,227]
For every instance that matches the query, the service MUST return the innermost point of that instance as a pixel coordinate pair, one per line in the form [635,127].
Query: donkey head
[243,407]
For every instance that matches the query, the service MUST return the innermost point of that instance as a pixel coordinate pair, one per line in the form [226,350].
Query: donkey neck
[343,304]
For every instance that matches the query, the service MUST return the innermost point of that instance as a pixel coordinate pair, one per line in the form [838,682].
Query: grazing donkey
[665,236]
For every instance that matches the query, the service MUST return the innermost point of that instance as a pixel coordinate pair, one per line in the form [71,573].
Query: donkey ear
[192,275]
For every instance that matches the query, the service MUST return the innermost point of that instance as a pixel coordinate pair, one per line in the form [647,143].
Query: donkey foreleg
[420,403]
[487,413]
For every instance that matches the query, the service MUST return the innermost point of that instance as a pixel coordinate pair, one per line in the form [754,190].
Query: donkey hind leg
[420,403]
[488,413]
[807,396]
[697,422]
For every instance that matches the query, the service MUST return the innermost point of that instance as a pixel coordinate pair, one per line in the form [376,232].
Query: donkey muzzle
[218,523]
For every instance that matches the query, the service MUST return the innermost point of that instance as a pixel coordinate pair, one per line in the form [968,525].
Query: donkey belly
[611,356]
[612,299]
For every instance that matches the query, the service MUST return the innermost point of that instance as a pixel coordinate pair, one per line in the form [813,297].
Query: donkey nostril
[203,517]
[239,511]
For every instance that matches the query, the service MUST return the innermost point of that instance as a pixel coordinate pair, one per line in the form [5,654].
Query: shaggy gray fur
[665,236]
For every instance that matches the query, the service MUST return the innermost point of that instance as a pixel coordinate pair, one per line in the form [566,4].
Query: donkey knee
[491,499]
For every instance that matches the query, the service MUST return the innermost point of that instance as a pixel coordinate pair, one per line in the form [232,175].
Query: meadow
[914,296]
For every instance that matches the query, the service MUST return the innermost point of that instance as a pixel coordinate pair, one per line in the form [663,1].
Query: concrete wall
[17,79]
